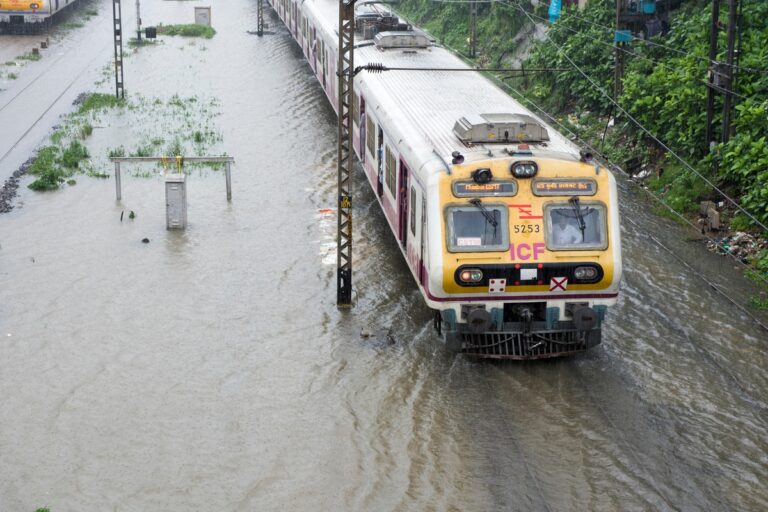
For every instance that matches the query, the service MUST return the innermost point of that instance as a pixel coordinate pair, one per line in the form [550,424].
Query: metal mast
[713,70]
[729,70]
[117,25]
[260,17]
[345,73]
[473,29]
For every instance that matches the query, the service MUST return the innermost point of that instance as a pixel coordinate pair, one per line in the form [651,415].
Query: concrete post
[118,184]
[229,181]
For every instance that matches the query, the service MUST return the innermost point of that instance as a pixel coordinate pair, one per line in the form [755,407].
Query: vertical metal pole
[618,64]
[473,29]
[260,17]
[117,26]
[229,181]
[118,182]
[732,10]
[713,32]
[138,21]
[345,71]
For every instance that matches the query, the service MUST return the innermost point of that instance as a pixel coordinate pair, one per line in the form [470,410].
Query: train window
[391,170]
[370,135]
[412,206]
[477,228]
[575,226]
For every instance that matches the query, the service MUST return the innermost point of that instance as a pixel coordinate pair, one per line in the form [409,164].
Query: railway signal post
[117,26]
[345,71]
[259,17]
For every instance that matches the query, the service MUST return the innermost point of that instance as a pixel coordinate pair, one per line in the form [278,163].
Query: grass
[99,101]
[72,156]
[73,24]
[116,152]
[30,56]
[12,76]
[44,166]
[10,63]
[136,43]
[187,30]
[86,130]
[91,12]
[143,151]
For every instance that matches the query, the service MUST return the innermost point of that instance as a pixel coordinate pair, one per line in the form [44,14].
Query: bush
[73,155]
[187,30]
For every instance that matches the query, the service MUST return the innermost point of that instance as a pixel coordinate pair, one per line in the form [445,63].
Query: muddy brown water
[211,370]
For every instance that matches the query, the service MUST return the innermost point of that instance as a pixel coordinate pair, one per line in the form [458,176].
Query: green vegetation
[496,26]
[664,90]
[30,56]
[73,24]
[116,152]
[85,131]
[99,101]
[72,156]
[45,509]
[12,76]
[45,167]
[186,30]
[143,151]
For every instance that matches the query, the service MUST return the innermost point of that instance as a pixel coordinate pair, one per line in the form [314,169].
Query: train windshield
[476,227]
[575,226]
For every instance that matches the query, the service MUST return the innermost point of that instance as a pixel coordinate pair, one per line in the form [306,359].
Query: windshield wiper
[488,216]
[579,217]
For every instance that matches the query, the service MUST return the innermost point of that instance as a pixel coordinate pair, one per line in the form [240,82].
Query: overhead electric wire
[663,203]
[648,132]
[613,30]
[721,89]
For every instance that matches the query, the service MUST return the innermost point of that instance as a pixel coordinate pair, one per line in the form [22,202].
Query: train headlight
[585,273]
[482,176]
[34,6]
[471,275]
[524,169]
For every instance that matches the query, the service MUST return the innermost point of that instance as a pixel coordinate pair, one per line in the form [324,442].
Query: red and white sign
[497,285]
[558,284]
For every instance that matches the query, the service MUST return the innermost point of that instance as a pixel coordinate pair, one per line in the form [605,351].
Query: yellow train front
[531,255]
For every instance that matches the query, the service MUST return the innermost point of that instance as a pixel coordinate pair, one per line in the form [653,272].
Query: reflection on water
[211,370]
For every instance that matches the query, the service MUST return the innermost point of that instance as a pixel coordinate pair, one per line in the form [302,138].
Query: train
[29,16]
[511,232]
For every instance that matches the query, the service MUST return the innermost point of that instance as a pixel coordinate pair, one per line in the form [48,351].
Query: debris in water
[145,240]
[131,215]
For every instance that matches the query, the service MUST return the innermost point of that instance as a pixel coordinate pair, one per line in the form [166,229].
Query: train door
[403,203]
[423,240]
[362,126]
[380,163]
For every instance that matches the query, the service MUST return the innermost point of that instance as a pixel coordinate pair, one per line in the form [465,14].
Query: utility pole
[713,70]
[473,29]
[138,21]
[729,70]
[345,72]
[618,65]
[117,25]
[260,17]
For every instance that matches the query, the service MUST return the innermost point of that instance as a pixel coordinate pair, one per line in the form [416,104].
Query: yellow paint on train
[24,6]
[559,180]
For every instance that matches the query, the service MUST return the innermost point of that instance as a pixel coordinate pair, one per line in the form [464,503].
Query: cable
[613,30]
[661,201]
[647,132]
[513,5]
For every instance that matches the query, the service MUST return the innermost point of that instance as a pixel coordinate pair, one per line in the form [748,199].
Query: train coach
[29,16]
[511,233]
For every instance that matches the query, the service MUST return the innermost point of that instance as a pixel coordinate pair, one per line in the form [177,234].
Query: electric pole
[473,29]
[618,64]
[345,72]
[729,70]
[713,73]
[138,21]
[260,17]
[117,26]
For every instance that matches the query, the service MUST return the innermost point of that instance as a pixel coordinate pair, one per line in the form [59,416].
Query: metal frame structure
[117,25]
[473,29]
[259,17]
[228,160]
[345,70]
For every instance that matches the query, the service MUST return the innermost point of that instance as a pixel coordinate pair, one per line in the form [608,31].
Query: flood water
[211,370]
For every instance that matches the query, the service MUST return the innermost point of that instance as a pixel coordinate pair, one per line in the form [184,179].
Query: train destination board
[493,189]
[564,187]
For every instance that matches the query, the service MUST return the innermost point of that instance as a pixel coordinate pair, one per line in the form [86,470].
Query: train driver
[565,233]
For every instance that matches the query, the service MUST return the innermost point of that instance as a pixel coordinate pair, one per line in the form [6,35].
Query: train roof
[429,103]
